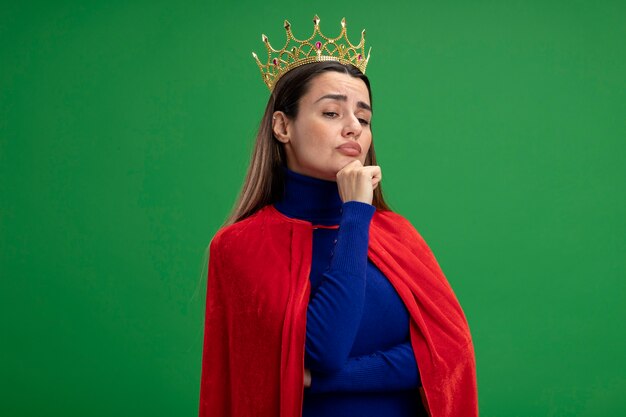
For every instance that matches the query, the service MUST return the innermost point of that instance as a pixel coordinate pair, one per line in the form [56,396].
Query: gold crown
[311,50]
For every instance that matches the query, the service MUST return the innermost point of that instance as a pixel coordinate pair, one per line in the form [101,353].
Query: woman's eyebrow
[343,97]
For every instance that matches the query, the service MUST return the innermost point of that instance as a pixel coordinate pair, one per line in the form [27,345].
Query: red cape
[255,324]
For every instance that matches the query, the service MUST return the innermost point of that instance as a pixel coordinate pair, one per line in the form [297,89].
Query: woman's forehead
[333,84]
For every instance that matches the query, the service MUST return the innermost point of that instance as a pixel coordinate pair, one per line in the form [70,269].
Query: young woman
[320,300]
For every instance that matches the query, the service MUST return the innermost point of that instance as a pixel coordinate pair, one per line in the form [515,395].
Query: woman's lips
[350,149]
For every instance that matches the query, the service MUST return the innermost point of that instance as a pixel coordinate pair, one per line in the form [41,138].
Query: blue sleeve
[334,312]
[388,370]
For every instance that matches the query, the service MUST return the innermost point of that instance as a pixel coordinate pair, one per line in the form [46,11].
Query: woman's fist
[357,182]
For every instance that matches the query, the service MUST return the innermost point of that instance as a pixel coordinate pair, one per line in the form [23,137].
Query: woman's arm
[334,312]
[389,370]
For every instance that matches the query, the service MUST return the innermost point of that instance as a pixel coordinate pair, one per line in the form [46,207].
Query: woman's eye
[330,114]
[364,122]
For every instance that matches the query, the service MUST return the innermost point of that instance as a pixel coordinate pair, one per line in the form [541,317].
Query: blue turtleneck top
[357,333]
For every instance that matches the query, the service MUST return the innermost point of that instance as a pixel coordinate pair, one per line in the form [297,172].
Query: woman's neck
[311,199]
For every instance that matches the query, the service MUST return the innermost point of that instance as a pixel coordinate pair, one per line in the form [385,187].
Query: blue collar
[311,199]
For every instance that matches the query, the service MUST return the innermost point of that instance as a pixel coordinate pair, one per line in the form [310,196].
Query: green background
[125,132]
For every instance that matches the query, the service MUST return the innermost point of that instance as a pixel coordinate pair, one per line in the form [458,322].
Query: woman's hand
[357,182]
[307,378]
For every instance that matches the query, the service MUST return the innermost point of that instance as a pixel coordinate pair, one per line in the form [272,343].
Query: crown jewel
[316,48]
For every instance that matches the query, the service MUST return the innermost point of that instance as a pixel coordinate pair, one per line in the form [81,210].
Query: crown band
[297,52]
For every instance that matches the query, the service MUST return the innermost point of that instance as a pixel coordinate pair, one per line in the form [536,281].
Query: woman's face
[332,127]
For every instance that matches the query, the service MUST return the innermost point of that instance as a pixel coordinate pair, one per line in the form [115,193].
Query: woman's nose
[352,128]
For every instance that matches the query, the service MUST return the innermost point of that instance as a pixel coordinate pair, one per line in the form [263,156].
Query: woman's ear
[280,126]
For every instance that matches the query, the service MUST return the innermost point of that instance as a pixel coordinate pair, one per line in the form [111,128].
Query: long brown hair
[264,182]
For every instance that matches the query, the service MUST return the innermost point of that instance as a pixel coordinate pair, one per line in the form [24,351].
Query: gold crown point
[287,24]
[316,20]
[264,38]
[343,22]
[254,56]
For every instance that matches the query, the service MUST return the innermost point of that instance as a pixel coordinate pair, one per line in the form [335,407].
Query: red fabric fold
[255,319]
